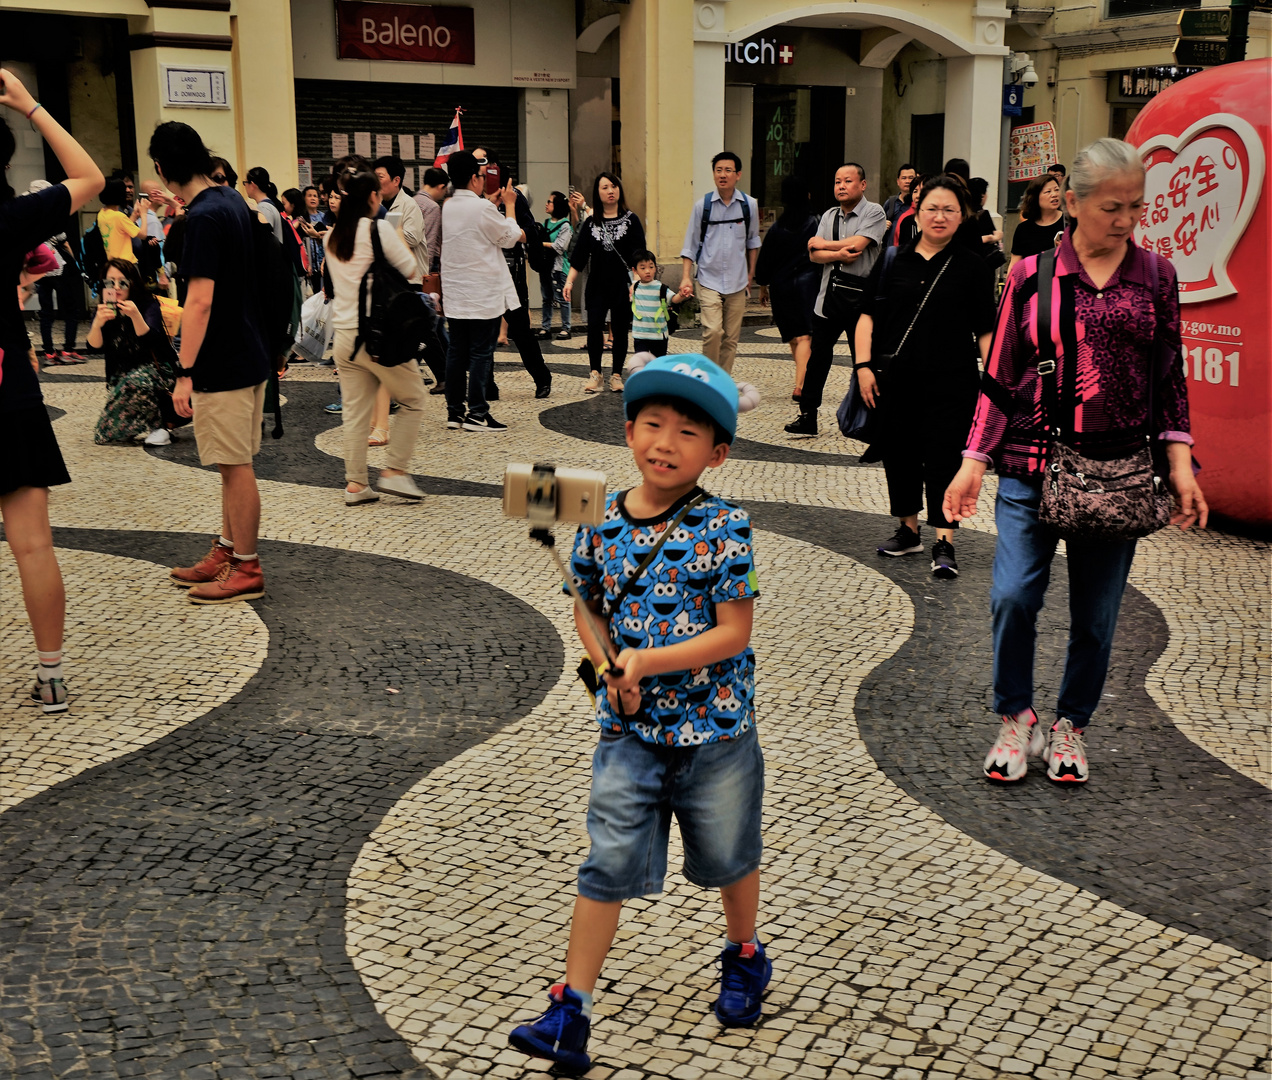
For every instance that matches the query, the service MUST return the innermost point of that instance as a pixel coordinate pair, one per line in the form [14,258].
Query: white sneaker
[158,437]
[616,383]
[1018,741]
[1065,754]
[401,486]
[593,384]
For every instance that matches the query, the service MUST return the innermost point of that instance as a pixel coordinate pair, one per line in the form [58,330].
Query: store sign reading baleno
[412,33]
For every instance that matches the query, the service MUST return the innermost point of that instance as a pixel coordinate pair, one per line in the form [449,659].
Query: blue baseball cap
[690,376]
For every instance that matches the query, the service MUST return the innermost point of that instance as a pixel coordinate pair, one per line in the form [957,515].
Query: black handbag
[1121,496]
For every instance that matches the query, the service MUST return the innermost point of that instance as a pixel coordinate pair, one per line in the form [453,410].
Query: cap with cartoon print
[692,377]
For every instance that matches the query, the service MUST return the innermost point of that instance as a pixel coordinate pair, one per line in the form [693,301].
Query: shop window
[796,131]
[927,142]
[1120,9]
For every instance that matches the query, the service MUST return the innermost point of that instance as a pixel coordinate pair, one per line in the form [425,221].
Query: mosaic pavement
[333,833]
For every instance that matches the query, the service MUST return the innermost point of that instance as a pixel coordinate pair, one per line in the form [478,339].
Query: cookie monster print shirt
[705,562]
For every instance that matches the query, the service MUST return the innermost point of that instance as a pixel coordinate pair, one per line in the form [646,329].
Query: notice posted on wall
[1032,149]
[409,178]
[339,145]
[362,143]
[384,146]
[406,147]
[304,172]
[428,147]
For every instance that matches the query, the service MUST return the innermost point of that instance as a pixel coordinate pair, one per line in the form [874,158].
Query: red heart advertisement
[1206,143]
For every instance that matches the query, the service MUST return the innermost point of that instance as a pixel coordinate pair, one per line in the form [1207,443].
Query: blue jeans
[469,365]
[716,792]
[557,297]
[1022,570]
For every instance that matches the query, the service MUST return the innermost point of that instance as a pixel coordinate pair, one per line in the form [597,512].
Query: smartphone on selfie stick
[544,495]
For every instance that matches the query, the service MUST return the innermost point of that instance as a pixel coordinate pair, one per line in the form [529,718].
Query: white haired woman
[1120,301]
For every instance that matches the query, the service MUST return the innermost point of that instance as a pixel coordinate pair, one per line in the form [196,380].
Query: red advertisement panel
[1206,142]
[405,32]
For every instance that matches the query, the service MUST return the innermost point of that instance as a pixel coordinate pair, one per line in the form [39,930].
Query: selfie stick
[541,511]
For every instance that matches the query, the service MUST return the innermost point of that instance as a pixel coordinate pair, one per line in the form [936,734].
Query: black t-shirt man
[218,245]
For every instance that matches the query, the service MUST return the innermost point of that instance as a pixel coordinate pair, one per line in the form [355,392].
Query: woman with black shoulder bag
[1083,412]
[927,316]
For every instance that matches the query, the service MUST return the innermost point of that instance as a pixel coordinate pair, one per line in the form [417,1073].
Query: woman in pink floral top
[1118,306]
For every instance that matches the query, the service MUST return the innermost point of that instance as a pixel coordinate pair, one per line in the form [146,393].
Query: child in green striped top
[652,301]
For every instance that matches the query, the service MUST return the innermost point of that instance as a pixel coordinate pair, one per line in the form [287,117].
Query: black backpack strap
[645,563]
[1047,346]
[706,222]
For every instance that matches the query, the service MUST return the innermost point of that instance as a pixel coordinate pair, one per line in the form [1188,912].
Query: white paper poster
[362,143]
[428,147]
[304,172]
[383,146]
[409,178]
[339,145]
[406,147]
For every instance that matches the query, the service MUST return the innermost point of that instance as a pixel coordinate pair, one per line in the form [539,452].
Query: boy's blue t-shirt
[705,562]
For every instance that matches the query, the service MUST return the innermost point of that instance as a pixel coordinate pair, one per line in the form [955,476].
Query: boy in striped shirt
[651,307]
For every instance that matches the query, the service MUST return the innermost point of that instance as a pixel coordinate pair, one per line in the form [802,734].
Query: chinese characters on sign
[1032,149]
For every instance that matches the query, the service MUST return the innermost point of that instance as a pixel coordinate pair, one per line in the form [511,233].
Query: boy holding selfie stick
[675,704]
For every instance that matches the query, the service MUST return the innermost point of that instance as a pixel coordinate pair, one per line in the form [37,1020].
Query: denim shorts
[716,792]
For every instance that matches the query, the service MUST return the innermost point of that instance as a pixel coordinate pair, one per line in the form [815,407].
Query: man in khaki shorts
[224,359]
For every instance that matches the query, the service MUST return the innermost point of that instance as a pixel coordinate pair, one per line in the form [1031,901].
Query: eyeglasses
[115,283]
[941,211]
[219,178]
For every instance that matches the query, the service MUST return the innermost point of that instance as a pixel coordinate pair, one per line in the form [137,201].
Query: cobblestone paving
[334,833]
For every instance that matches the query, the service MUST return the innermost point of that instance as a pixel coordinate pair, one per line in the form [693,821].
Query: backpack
[93,248]
[707,222]
[536,253]
[392,316]
[278,303]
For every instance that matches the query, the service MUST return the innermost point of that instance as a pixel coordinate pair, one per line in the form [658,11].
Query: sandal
[379,437]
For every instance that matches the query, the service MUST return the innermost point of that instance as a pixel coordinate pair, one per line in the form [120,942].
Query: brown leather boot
[240,579]
[206,569]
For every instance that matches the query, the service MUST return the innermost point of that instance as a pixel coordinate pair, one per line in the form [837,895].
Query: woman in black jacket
[608,241]
[930,381]
[790,276]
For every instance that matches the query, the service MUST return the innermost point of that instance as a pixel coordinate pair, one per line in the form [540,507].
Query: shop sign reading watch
[412,33]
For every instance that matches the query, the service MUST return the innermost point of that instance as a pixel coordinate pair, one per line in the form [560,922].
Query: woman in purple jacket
[1124,307]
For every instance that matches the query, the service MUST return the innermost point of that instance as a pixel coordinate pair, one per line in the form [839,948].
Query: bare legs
[801,350]
[240,507]
[595,923]
[26,527]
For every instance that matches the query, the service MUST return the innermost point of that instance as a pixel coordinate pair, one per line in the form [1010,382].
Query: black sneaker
[486,423]
[943,564]
[905,541]
[543,391]
[454,420]
[806,424]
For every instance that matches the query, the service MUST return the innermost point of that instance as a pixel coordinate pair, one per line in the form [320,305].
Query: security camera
[1029,77]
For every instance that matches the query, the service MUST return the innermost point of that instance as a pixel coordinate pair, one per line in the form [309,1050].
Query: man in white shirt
[390,172]
[723,238]
[479,289]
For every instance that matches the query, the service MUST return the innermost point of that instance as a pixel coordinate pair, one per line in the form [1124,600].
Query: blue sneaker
[744,973]
[334,407]
[560,1034]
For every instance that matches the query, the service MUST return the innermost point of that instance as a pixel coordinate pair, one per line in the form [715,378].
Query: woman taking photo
[140,361]
[1125,311]
[1043,223]
[349,257]
[608,242]
[791,278]
[930,310]
[30,461]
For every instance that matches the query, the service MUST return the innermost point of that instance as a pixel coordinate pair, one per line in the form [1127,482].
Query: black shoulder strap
[377,249]
[834,235]
[645,563]
[1046,344]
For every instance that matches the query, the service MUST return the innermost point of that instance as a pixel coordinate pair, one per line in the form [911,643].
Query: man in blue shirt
[723,238]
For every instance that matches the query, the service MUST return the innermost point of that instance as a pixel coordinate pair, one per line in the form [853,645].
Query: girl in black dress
[929,387]
[30,460]
[609,241]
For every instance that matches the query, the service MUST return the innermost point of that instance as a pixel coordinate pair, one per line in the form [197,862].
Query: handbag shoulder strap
[923,303]
[644,563]
[1046,343]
